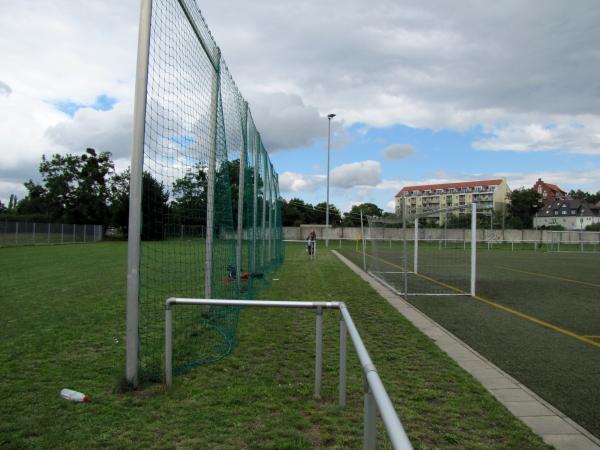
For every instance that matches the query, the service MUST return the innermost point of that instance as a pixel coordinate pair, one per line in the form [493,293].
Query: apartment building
[490,195]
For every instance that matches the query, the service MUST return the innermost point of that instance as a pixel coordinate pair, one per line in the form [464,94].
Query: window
[556,212]
[564,212]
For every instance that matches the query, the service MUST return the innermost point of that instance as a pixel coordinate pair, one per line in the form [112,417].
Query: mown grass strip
[63,326]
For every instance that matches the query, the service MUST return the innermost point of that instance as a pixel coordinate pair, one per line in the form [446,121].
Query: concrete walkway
[549,423]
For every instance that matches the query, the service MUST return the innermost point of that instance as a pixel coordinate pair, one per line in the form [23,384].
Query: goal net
[422,260]
[205,219]
[573,241]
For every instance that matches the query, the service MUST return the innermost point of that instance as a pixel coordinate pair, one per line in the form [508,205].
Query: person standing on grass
[310,242]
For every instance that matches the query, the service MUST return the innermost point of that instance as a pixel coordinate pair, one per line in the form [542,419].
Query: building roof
[459,185]
[554,187]
[580,208]
[550,186]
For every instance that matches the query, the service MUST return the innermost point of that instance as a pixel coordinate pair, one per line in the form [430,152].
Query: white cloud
[103,130]
[362,173]
[398,151]
[584,178]
[285,122]
[572,137]
[298,182]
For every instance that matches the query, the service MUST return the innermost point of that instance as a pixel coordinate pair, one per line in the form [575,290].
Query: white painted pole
[343,359]
[473,247]
[319,353]
[369,420]
[135,194]
[242,180]
[211,175]
[168,346]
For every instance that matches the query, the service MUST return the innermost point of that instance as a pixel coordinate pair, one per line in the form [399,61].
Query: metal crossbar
[376,397]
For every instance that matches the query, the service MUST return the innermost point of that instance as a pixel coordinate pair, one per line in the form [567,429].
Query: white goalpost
[416,265]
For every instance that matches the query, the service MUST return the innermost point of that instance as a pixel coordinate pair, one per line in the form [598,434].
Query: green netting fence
[210,211]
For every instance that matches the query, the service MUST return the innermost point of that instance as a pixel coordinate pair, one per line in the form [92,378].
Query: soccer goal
[573,241]
[419,262]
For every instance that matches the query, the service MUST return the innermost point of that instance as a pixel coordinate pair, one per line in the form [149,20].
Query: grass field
[536,315]
[62,326]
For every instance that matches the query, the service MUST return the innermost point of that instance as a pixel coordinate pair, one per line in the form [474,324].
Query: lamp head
[331,116]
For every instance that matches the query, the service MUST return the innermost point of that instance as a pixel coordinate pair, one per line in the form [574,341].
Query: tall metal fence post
[416,251]
[62,233]
[404,246]
[362,235]
[343,360]
[135,194]
[255,143]
[33,233]
[319,352]
[264,207]
[240,211]
[210,191]
[369,420]
[17,233]
[473,247]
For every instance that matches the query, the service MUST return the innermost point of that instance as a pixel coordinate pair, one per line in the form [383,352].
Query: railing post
[343,359]
[168,346]
[319,352]
[369,423]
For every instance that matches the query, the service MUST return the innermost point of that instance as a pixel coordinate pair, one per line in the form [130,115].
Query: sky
[423,92]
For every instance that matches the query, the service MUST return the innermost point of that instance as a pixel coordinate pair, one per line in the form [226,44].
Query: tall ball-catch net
[414,255]
[209,203]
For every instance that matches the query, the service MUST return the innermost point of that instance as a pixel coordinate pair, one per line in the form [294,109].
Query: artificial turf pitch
[62,325]
[536,315]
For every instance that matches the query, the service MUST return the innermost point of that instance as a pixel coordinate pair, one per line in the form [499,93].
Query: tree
[74,189]
[189,193]
[352,218]
[582,195]
[154,205]
[320,212]
[293,213]
[524,203]
[2,207]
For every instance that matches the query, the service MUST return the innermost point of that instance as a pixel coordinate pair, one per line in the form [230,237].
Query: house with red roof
[549,192]
[490,195]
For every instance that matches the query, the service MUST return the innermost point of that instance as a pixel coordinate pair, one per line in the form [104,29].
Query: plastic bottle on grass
[74,396]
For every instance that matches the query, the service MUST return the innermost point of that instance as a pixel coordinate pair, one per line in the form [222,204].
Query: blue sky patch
[69,107]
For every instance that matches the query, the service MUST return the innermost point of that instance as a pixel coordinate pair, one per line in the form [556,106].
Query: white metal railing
[376,397]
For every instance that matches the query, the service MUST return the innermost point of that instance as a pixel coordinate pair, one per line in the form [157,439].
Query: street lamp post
[329,117]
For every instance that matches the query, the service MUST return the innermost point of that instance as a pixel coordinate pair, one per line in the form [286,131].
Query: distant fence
[455,234]
[27,233]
